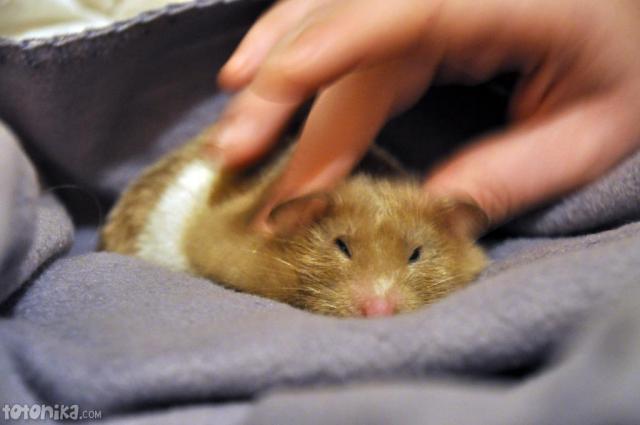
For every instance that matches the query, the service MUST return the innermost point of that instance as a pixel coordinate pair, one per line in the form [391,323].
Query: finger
[507,173]
[342,124]
[259,114]
[483,37]
[248,128]
[325,47]
[263,35]
[405,80]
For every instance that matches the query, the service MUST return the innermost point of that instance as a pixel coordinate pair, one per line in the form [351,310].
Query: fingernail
[225,137]
[213,155]
[209,147]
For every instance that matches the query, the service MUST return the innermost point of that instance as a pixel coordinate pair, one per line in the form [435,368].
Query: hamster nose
[377,307]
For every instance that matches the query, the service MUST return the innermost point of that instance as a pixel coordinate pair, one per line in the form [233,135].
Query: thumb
[541,159]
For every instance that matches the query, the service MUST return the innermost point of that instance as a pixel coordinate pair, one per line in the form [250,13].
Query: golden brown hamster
[371,247]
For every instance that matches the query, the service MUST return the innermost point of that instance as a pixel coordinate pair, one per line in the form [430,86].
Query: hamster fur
[370,247]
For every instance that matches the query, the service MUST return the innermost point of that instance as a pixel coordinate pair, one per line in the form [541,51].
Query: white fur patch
[382,286]
[161,240]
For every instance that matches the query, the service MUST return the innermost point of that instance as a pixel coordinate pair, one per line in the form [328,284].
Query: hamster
[370,247]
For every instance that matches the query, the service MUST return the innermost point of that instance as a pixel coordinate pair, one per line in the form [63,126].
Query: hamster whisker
[280,260]
[270,256]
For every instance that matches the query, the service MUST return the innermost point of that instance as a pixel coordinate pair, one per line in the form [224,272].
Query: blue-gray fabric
[146,345]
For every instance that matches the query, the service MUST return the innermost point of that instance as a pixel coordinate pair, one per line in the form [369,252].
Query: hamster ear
[465,218]
[295,214]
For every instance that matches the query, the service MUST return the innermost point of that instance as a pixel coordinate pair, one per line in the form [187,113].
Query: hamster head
[377,247]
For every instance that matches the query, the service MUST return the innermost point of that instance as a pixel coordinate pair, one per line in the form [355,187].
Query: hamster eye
[415,255]
[342,245]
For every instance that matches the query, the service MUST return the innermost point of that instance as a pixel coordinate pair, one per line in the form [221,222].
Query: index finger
[341,125]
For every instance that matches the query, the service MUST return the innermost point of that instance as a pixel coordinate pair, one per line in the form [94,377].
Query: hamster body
[370,247]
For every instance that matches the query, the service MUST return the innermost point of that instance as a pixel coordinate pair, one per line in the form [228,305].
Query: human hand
[575,113]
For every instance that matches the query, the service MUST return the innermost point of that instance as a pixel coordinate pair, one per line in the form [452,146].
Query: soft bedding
[549,334]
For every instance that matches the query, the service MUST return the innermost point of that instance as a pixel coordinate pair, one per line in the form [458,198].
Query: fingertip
[209,153]
[228,81]
[261,223]
[208,147]
[227,150]
[221,154]
[452,183]
[236,73]
[249,127]
[235,157]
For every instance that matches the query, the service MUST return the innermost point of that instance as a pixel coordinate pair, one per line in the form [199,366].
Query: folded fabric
[24,19]
[130,339]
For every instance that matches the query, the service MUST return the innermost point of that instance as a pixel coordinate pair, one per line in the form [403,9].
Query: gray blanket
[550,333]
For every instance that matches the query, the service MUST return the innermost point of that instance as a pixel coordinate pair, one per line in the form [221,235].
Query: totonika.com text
[56,412]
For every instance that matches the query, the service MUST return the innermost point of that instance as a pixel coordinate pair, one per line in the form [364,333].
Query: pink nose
[377,307]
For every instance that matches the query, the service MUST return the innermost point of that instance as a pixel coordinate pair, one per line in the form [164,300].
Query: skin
[574,114]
